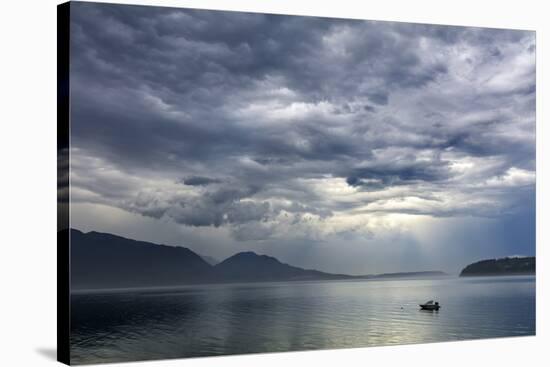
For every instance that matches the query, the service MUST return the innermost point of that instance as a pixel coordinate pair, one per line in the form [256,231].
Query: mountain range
[103,260]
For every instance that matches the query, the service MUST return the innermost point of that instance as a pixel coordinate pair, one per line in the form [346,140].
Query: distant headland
[504,266]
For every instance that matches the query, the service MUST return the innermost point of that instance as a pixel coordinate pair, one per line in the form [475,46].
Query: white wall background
[28,182]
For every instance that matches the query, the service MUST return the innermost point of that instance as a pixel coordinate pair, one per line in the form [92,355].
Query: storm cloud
[298,129]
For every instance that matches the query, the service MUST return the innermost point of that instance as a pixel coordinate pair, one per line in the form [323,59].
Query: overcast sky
[342,145]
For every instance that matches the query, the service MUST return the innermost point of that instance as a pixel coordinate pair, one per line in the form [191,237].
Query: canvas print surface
[238,183]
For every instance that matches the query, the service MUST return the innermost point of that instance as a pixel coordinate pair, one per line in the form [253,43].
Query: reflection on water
[211,320]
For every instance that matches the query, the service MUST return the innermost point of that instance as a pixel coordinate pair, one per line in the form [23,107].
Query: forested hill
[505,266]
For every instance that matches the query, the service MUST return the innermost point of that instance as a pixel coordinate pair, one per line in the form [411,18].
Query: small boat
[430,305]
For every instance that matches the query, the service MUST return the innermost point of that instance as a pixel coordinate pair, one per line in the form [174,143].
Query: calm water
[268,317]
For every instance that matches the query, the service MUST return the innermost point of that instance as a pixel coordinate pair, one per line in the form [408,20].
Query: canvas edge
[63,202]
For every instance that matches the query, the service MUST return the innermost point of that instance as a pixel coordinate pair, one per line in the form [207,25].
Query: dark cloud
[380,98]
[399,173]
[200,181]
[218,209]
